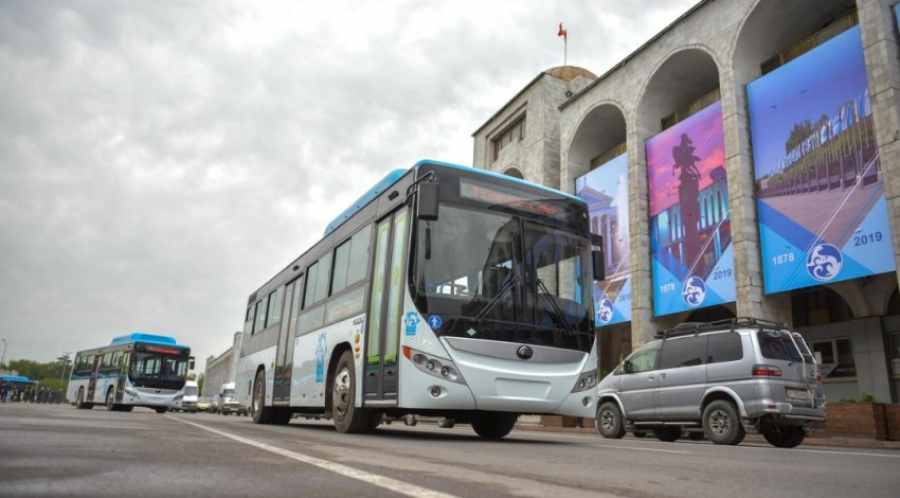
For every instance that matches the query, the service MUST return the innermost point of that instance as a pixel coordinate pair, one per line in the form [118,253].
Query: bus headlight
[586,381]
[434,366]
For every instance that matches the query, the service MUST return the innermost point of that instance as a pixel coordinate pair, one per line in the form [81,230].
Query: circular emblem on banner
[824,262]
[605,310]
[693,291]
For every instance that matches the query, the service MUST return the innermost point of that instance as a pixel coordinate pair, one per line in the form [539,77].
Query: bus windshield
[158,370]
[500,276]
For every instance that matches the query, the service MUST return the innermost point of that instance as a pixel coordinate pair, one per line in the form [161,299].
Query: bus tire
[282,416]
[262,414]
[161,409]
[494,426]
[348,418]
[111,400]
[79,400]
[126,408]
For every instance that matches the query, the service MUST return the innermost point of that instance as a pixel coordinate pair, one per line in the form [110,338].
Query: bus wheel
[490,425]
[262,414]
[126,408]
[347,417]
[79,401]
[111,400]
[282,416]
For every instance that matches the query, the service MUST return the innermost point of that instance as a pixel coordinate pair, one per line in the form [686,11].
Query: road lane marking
[387,483]
[638,449]
[839,452]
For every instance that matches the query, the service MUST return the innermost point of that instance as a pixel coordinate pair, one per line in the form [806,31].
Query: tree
[200,379]
[798,134]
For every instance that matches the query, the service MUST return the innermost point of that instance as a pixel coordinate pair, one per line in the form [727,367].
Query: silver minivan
[719,380]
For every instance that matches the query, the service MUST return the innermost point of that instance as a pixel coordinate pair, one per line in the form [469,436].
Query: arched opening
[513,172]
[678,86]
[775,27]
[893,304]
[601,130]
[710,314]
[818,306]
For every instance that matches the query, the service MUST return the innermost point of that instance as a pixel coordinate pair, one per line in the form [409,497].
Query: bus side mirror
[427,201]
[599,264]
[191,364]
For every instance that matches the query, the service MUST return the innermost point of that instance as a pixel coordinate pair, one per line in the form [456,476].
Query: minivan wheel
[784,436]
[609,421]
[721,423]
[667,434]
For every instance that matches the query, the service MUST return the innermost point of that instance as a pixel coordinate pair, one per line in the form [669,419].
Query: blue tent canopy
[18,379]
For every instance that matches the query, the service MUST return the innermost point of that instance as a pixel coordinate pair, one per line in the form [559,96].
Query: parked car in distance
[722,378]
[186,400]
[227,402]
[204,403]
[412,420]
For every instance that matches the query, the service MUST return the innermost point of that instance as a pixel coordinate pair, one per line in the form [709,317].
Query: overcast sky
[161,160]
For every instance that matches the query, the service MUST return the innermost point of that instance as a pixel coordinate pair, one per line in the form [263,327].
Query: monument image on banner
[690,227]
[605,189]
[822,211]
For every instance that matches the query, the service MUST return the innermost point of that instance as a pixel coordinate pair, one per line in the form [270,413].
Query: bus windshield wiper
[556,309]
[492,302]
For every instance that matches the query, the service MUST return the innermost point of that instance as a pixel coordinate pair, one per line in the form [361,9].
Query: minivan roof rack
[694,328]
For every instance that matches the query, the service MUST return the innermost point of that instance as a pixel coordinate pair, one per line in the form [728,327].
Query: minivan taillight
[766,371]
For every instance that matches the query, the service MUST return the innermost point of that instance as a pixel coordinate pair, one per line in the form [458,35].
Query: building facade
[743,162]
[221,369]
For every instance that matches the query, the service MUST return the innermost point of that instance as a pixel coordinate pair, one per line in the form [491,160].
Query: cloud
[159,161]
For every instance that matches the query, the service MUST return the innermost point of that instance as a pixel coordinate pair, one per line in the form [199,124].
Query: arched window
[513,172]
[818,306]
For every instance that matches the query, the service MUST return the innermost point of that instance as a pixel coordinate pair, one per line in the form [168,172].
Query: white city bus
[137,369]
[443,291]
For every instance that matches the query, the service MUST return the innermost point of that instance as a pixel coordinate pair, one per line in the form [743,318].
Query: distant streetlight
[64,361]
[3,357]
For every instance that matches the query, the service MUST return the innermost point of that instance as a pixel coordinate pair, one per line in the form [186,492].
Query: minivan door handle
[650,377]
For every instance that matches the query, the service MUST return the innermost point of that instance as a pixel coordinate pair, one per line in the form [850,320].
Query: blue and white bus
[443,291]
[137,369]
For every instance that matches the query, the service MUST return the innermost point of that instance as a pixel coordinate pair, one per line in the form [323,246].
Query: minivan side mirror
[627,366]
[427,201]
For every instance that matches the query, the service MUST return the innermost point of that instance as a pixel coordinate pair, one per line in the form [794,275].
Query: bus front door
[92,382]
[380,381]
[284,358]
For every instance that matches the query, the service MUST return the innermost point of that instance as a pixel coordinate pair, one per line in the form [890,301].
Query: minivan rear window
[777,346]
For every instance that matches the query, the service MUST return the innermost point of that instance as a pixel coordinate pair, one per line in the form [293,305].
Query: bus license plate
[798,394]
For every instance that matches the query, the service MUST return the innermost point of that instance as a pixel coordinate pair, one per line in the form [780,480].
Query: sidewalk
[842,442]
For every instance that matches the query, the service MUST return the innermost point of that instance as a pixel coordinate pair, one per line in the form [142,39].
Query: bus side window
[276,301]
[260,315]
[248,323]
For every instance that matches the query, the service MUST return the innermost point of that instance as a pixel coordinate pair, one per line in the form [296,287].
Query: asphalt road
[56,450]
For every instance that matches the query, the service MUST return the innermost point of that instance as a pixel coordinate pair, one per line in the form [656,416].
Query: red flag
[562,32]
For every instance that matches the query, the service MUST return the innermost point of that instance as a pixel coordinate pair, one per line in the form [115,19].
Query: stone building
[832,176]
[221,369]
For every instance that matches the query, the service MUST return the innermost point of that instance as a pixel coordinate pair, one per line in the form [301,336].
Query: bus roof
[146,338]
[395,175]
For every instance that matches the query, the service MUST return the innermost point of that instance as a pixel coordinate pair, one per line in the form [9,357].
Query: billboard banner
[690,226]
[822,211]
[605,189]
